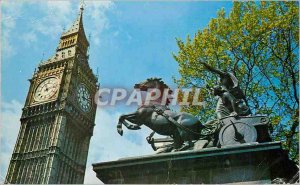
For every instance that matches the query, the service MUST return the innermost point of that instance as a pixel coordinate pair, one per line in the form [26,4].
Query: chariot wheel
[237,133]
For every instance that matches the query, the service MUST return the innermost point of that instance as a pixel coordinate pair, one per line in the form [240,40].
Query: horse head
[154,83]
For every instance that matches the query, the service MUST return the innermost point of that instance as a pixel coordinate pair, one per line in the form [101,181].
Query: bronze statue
[182,127]
[232,100]
[228,104]
[186,131]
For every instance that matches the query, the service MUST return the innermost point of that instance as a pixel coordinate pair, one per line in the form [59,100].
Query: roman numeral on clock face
[46,89]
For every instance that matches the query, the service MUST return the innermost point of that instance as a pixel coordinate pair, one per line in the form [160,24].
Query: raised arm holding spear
[231,95]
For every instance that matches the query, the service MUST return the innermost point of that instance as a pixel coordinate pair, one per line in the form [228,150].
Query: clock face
[46,89]
[84,98]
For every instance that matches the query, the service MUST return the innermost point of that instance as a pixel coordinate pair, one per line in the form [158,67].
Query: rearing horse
[181,126]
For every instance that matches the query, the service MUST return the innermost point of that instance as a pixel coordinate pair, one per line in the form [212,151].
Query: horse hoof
[120,131]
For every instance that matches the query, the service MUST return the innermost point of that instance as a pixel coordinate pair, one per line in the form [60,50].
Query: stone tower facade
[58,117]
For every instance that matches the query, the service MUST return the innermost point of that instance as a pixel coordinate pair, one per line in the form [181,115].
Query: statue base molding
[242,163]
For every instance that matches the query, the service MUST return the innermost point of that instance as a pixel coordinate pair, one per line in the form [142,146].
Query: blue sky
[130,41]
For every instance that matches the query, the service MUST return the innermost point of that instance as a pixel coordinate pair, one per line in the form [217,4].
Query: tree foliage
[259,43]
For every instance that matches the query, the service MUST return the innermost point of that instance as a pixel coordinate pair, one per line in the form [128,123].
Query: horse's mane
[159,81]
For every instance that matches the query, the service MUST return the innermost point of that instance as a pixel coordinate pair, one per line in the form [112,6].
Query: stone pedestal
[251,162]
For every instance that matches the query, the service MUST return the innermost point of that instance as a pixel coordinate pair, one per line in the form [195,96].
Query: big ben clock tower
[58,117]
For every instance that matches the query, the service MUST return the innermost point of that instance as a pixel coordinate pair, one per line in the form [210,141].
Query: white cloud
[10,124]
[61,14]
[50,19]
[7,49]
[29,37]
[107,144]
[11,10]
[57,14]
[96,12]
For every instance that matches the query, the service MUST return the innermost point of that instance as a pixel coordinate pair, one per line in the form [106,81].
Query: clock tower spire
[75,36]
[58,117]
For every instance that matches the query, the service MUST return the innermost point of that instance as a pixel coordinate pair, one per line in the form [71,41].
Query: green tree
[259,42]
